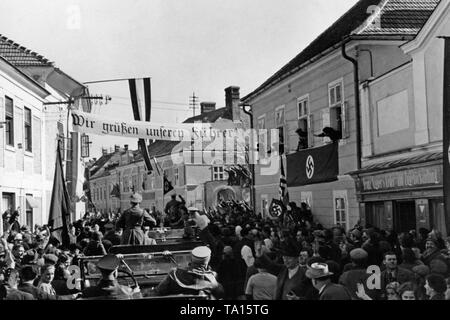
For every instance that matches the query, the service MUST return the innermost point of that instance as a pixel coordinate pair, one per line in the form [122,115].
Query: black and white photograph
[211,158]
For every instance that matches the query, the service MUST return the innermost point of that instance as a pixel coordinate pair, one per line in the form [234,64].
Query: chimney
[206,107]
[232,101]
[126,147]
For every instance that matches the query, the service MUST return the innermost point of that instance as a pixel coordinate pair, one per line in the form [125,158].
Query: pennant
[167,185]
[276,208]
[59,216]
[115,192]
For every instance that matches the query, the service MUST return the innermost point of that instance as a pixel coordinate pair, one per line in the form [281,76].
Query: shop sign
[403,179]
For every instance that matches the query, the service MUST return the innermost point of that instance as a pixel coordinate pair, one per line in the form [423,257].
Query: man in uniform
[197,279]
[108,288]
[132,220]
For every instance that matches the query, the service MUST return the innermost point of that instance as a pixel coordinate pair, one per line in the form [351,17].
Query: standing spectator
[431,252]
[47,276]
[291,279]
[261,286]
[321,280]
[393,272]
[407,291]
[435,287]
[357,273]
[11,283]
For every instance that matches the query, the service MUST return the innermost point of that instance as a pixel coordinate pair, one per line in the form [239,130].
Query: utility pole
[193,102]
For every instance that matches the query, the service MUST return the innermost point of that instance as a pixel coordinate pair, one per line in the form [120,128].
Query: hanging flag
[315,165]
[59,216]
[284,193]
[167,185]
[276,209]
[140,93]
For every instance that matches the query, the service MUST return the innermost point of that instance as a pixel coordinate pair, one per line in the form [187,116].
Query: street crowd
[247,257]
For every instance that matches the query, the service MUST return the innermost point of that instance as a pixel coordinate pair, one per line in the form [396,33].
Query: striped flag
[141,101]
[284,193]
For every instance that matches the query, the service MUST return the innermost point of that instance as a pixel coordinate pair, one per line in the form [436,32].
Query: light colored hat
[201,255]
[193,209]
[18,237]
[136,198]
[318,271]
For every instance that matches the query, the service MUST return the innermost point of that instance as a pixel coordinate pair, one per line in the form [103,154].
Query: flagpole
[113,80]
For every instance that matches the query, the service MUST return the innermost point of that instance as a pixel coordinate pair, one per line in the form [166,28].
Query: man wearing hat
[291,281]
[321,280]
[357,274]
[132,220]
[196,279]
[108,287]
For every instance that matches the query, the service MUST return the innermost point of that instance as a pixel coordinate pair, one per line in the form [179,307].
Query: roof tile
[19,56]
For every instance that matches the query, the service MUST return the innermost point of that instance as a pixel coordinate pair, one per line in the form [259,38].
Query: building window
[280,125]
[28,131]
[262,137]
[340,209]
[9,119]
[336,104]
[218,173]
[304,124]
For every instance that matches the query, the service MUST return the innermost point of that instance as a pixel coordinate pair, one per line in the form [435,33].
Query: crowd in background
[291,257]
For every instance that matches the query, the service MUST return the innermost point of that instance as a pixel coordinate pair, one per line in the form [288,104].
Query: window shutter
[36,140]
[18,139]
[344,118]
[325,122]
[310,130]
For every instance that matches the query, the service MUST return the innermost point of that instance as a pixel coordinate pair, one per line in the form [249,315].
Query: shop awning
[33,202]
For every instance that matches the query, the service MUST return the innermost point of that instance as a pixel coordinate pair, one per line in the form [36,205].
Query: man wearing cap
[321,280]
[132,220]
[357,274]
[108,287]
[196,279]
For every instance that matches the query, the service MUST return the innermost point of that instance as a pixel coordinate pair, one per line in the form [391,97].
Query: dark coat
[300,288]
[131,221]
[335,292]
[402,276]
[351,278]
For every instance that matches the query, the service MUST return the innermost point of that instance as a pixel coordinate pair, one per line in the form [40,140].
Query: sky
[185,46]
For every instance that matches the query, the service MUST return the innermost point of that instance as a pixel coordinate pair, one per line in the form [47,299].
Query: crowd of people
[247,257]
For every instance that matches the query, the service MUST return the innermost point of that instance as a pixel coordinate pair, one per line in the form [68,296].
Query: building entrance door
[404,216]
